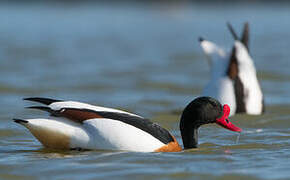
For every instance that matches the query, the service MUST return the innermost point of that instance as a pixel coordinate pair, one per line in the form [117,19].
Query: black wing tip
[20,121]
[43,108]
[46,101]
[37,107]
[200,39]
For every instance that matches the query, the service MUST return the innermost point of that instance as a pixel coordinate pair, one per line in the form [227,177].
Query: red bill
[224,120]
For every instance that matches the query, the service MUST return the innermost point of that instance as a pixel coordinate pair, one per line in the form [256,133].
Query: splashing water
[238,137]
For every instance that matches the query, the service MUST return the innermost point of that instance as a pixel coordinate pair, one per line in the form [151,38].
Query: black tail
[232,31]
[46,101]
[20,121]
[245,35]
[200,39]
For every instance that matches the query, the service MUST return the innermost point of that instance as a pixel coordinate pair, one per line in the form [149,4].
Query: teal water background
[144,59]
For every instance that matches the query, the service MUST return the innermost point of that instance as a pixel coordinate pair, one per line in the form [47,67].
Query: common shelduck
[76,125]
[233,75]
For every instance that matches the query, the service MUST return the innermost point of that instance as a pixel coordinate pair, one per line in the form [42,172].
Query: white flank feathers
[116,135]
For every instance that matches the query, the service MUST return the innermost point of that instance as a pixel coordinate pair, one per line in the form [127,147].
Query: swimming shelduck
[233,75]
[76,125]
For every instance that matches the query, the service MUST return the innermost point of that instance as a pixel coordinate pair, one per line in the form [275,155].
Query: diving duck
[233,77]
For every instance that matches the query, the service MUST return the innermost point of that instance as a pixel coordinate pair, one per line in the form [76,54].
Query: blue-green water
[144,59]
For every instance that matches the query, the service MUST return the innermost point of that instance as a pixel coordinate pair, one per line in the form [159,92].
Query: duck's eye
[227,120]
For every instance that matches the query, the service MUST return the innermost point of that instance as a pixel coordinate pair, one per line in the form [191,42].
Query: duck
[73,125]
[233,77]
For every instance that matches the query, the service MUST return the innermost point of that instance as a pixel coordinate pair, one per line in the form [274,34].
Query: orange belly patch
[170,147]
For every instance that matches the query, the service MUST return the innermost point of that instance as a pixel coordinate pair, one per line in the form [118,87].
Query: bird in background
[233,77]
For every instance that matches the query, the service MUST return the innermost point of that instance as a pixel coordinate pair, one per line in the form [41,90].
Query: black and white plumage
[233,78]
[75,125]
[80,125]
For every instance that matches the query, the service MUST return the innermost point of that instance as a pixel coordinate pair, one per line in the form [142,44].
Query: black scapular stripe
[239,92]
[141,123]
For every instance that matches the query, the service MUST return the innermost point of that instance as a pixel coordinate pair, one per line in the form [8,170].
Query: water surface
[143,59]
